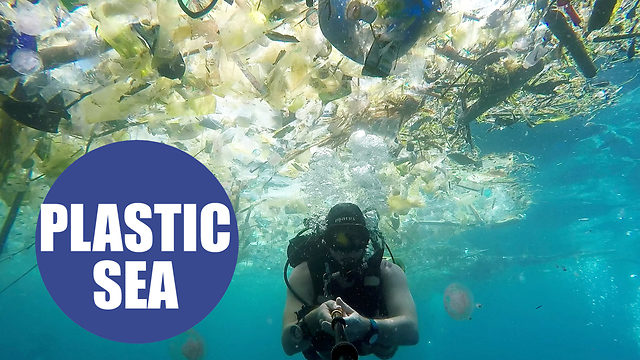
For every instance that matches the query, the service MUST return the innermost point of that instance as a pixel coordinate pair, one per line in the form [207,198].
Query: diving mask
[347,239]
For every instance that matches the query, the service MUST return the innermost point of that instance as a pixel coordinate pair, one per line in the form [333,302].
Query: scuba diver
[375,33]
[340,270]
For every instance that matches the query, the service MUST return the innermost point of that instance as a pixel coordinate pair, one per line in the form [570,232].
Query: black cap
[345,214]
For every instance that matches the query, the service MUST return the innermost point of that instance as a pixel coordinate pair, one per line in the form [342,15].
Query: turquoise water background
[560,284]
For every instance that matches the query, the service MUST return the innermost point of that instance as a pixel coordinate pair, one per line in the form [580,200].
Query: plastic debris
[558,25]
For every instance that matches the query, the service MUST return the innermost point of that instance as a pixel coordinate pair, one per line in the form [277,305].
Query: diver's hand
[322,315]
[357,325]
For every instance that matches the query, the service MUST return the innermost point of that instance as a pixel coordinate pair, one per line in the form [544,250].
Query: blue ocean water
[560,284]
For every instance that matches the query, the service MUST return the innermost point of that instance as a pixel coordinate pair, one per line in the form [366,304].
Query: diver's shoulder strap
[373,263]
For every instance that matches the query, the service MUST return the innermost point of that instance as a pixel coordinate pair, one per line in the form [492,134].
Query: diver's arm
[401,325]
[300,280]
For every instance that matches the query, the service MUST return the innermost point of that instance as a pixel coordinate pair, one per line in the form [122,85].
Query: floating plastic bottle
[557,23]
[312,17]
[603,11]
[570,11]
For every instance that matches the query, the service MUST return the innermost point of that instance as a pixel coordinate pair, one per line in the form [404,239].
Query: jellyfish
[26,61]
[22,51]
[33,19]
[458,301]
[187,346]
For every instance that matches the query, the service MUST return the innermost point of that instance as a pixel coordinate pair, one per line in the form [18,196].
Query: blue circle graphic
[137,241]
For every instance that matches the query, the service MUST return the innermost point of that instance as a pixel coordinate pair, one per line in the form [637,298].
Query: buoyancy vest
[363,293]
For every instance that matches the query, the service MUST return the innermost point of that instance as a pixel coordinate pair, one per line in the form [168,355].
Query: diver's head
[346,235]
